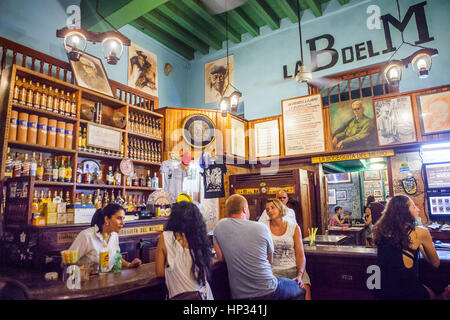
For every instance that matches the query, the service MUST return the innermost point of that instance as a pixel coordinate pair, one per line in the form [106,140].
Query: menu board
[237,137]
[267,139]
[303,125]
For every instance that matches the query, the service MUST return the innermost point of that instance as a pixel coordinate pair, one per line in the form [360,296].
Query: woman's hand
[135,263]
[299,280]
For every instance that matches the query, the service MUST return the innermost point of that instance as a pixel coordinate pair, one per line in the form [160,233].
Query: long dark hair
[395,223]
[99,216]
[185,218]
[370,199]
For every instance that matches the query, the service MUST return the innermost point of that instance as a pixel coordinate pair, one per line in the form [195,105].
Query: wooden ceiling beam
[264,12]
[315,6]
[238,16]
[288,10]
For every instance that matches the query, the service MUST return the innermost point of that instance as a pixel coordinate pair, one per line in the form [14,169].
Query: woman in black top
[399,240]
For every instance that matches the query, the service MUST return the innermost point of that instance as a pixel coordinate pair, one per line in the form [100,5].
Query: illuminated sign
[353,156]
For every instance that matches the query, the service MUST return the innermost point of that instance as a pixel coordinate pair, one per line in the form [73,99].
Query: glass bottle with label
[61,170]
[55,107]
[17,87]
[37,96]
[73,106]
[33,165]
[68,176]
[149,179]
[44,96]
[40,169]
[110,176]
[104,255]
[25,166]
[155,181]
[62,103]
[30,94]
[117,177]
[9,165]
[87,175]
[49,106]
[23,92]
[67,200]
[48,170]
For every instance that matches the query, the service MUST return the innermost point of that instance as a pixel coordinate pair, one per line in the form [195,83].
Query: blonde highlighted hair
[279,205]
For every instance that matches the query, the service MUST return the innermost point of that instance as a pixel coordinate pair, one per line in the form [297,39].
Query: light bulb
[393,73]
[422,64]
[112,50]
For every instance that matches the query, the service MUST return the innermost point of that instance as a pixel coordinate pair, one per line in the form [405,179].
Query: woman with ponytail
[105,227]
[183,255]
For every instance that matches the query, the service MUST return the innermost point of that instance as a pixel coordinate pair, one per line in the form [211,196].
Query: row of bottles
[83,146]
[21,165]
[86,176]
[143,181]
[144,124]
[139,149]
[101,199]
[44,214]
[33,95]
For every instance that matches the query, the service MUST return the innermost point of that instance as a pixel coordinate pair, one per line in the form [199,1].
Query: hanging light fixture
[75,43]
[112,49]
[393,73]
[231,102]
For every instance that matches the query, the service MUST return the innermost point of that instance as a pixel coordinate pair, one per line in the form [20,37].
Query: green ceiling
[185,26]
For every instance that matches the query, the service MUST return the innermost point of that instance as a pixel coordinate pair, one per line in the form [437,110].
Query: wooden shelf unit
[82,95]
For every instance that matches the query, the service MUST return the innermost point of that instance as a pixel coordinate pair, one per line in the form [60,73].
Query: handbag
[189,295]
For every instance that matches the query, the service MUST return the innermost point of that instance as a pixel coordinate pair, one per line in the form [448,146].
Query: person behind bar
[247,248]
[183,255]
[288,258]
[105,227]
[290,214]
[367,216]
[336,220]
[399,239]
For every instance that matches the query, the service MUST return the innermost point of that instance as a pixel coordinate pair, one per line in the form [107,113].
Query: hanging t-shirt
[213,181]
[173,176]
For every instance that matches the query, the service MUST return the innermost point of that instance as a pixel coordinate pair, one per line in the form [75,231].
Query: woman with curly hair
[399,239]
[183,255]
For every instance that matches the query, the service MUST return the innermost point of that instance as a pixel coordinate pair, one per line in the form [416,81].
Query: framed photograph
[353,125]
[372,175]
[395,121]
[366,193]
[372,184]
[377,193]
[343,177]
[142,70]
[434,112]
[90,74]
[341,195]
[216,79]
[331,196]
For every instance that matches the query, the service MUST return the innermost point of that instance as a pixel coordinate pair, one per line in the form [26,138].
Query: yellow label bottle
[104,256]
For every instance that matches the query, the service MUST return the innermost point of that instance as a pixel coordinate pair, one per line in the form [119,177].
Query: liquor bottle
[56,198]
[55,171]
[80,140]
[131,121]
[153,127]
[37,96]
[67,199]
[49,106]
[135,180]
[149,179]
[62,103]
[61,196]
[155,181]
[77,199]
[79,174]
[68,176]
[97,200]
[9,165]
[56,101]
[122,147]
[35,205]
[25,166]
[128,181]
[40,169]
[105,201]
[87,175]
[89,199]
[68,104]
[49,196]
[142,181]
[113,199]
[23,92]
[110,176]
[117,262]
[119,199]
[30,94]
[44,97]
[117,177]
[73,106]
[104,256]
[17,166]
[33,165]
[83,139]
[48,170]
[61,170]
[83,198]
[17,87]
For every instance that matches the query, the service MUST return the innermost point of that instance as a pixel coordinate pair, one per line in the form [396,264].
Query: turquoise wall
[258,61]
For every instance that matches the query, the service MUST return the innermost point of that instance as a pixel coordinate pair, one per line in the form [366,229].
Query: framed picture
[341,195]
[372,184]
[377,193]
[217,73]
[343,177]
[395,121]
[142,70]
[372,175]
[434,112]
[331,196]
[353,125]
[366,193]
[90,74]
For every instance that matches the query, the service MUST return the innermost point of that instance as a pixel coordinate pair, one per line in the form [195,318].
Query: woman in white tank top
[183,255]
[288,258]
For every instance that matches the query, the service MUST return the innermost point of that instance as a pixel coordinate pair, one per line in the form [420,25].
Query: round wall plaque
[126,166]
[198,131]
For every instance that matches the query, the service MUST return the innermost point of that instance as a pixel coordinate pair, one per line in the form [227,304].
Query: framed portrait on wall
[395,121]
[217,73]
[372,175]
[142,70]
[353,125]
[331,196]
[90,74]
[341,195]
[377,193]
[434,112]
[342,177]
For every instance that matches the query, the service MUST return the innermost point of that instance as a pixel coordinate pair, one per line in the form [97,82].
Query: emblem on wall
[198,131]
[409,185]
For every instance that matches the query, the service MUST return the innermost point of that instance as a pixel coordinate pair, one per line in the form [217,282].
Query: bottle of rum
[33,165]
[80,140]
[40,169]
[25,166]
[79,174]
[149,179]
[105,199]
[87,175]
[48,170]
[73,106]
[61,170]
[68,176]
[43,101]
[30,94]
[110,176]
[104,256]
[17,166]
[155,181]
[77,199]
[62,103]
[142,181]
[117,177]
[9,164]
[17,87]
[56,101]
[50,99]
[37,96]
[67,199]
[23,92]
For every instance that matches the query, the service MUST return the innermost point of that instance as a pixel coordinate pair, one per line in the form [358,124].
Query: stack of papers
[445,227]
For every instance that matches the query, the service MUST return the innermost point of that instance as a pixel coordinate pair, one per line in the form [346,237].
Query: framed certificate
[267,139]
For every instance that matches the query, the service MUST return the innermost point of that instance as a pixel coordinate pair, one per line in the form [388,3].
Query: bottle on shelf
[110,176]
[49,196]
[55,107]
[73,106]
[48,170]
[61,170]
[30,94]
[87,175]
[119,199]
[35,205]
[79,174]
[155,181]
[97,200]
[142,182]
[17,166]
[44,97]
[49,106]
[113,199]
[135,180]
[95,177]
[25,166]
[9,165]
[17,88]
[68,175]
[40,168]
[68,105]
[67,199]
[33,165]
[117,177]
[62,103]
[37,96]
[89,199]
[23,92]
[83,198]
[105,201]
[149,179]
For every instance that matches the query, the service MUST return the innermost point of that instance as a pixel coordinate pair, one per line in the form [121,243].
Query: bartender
[105,227]
[290,214]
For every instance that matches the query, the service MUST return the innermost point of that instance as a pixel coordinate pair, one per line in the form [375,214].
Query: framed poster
[341,195]
[372,184]
[267,139]
[142,70]
[216,79]
[101,137]
[303,125]
[377,193]
[331,196]
[372,175]
[343,177]
[353,125]
[395,121]
[434,112]
[90,74]
[237,137]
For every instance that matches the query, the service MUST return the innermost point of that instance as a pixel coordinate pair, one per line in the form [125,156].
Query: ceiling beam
[162,37]
[287,9]
[238,16]
[263,11]
[195,6]
[315,6]
[342,2]
[118,13]
[189,24]
[176,31]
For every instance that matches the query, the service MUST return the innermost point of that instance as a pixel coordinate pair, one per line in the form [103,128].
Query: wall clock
[198,131]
